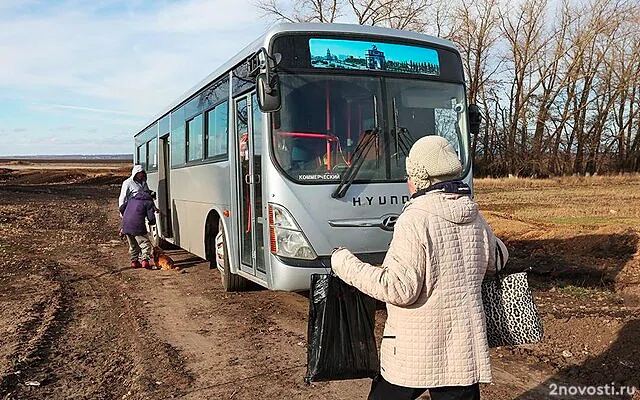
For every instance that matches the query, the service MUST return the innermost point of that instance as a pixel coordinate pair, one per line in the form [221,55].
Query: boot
[135,264]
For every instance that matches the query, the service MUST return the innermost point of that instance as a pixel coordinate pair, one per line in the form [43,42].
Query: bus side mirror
[268,91]
[475,117]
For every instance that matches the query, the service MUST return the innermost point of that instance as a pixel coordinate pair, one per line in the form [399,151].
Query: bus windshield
[329,122]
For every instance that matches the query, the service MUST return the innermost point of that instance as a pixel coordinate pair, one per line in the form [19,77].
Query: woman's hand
[337,249]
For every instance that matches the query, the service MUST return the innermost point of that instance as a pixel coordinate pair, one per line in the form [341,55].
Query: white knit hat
[432,159]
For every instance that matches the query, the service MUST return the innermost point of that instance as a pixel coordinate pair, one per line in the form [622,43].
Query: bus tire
[230,281]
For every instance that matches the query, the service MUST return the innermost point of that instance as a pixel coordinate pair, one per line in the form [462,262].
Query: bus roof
[297,27]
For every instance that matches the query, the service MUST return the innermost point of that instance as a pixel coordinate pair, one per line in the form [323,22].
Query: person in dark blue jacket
[134,212]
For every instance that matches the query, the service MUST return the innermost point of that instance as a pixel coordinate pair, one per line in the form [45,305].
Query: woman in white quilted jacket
[435,334]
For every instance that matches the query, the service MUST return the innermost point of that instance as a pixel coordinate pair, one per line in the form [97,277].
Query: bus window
[178,143]
[422,108]
[242,129]
[152,154]
[142,155]
[217,131]
[309,143]
[194,138]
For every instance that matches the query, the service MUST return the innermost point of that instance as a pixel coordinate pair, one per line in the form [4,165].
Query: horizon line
[70,155]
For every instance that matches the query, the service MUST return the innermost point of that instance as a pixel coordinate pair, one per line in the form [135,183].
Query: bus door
[248,124]
[163,187]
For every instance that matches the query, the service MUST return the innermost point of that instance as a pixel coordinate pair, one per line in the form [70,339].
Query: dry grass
[573,201]
[60,173]
[571,231]
[586,293]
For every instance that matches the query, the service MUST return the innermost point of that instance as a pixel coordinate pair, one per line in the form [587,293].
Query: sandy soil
[77,322]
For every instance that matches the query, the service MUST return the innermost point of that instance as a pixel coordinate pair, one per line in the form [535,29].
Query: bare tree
[405,14]
[624,63]
[302,10]
[525,35]
[399,14]
[369,12]
[476,31]
[553,71]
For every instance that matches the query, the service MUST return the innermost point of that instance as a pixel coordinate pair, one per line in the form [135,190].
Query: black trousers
[383,390]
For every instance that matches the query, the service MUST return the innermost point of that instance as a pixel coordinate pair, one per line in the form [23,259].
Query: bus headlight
[286,237]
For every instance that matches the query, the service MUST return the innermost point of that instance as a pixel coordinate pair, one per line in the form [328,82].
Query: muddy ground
[77,322]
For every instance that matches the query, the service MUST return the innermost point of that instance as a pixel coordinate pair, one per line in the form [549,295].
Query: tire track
[85,335]
[46,320]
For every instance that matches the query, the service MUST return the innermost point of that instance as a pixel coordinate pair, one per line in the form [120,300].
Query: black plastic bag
[341,341]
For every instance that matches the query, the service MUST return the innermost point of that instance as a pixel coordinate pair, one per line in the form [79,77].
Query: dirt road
[77,322]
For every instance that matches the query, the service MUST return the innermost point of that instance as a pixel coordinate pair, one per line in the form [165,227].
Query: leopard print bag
[511,315]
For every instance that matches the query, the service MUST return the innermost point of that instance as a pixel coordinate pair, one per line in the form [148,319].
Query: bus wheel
[230,281]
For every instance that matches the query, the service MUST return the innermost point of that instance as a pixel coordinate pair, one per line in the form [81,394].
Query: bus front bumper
[294,275]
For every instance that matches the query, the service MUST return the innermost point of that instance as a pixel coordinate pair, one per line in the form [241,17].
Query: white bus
[297,145]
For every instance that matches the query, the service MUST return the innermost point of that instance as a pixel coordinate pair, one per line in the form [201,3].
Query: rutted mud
[77,322]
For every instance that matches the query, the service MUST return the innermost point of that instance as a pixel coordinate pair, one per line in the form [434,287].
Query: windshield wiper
[349,174]
[403,139]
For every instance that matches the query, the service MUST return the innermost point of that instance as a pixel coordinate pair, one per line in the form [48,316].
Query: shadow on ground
[589,261]
[618,367]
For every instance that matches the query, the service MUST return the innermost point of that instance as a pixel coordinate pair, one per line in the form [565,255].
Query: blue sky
[81,76]
[393,52]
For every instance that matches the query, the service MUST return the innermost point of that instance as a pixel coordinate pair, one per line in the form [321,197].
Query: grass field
[583,231]
[584,202]
[64,163]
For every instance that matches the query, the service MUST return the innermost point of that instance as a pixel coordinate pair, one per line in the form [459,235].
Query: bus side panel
[196,190]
